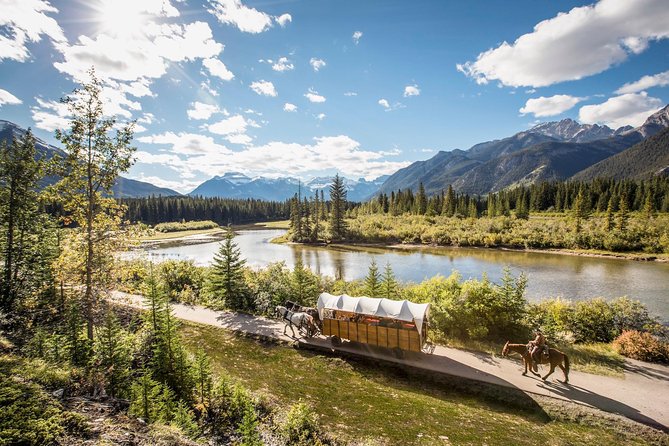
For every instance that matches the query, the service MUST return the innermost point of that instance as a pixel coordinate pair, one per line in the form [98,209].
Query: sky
[307,88]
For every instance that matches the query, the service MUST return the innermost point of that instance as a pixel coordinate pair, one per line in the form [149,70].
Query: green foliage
[373,283]
[338,225]
[389,285]
[642,346]
[592,321]
[113,347]
[185,226]
[305,285]
[300,426]
[227,286]
[203,379]
[151,400]
[184,418]
[269,287]
[183,281]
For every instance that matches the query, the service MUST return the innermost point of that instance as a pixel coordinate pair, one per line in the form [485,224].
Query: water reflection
[549,274]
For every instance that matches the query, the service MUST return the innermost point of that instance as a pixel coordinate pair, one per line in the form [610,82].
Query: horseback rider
[537,346]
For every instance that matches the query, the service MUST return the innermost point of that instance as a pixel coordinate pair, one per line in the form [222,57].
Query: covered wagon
[395,324]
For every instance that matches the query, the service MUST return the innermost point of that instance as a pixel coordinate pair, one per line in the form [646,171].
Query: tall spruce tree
[388,283]
[94,160]
[112,353]
[581,208]
[373,280]
[20,217]
[421,200]
[227,283]
[623,212]
[338,226]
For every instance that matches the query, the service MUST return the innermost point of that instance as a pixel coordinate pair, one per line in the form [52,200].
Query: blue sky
[314,87]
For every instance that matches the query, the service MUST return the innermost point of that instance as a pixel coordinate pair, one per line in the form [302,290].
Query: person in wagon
[538,344]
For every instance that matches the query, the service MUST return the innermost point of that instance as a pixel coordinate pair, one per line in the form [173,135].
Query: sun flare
[124,18]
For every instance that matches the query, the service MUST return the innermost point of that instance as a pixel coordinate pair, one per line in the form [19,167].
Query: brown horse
[555,358]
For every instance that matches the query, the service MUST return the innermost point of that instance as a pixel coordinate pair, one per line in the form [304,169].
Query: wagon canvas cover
[402,310]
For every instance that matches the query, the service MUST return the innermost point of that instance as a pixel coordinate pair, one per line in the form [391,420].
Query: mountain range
[124,187]
[549,151]
[238,185]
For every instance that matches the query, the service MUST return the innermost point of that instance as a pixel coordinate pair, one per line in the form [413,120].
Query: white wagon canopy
[401,310]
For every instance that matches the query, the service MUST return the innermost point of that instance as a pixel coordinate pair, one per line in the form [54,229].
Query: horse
[299,320]
[555,358]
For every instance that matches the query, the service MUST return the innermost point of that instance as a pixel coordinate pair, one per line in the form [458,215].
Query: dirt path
[642,395]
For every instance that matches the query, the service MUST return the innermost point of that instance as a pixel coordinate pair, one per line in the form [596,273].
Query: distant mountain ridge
[548,151]
[124,187]
[238,185]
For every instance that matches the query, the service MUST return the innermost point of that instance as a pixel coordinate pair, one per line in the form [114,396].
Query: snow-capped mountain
[571,131]
[238,185]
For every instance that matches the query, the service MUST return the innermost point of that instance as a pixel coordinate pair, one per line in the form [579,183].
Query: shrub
[185,226]
[183,280]
[300,426]
[593,321]
[642,346]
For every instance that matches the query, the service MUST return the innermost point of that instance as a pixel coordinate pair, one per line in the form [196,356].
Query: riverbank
[205,235]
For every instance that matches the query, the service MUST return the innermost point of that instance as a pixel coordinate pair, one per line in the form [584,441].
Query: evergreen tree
[203,378]
[623,212]
[609,215]
[388,283]
[155,299]
[150,400]
[20,216]
[112,352]
[421,200]
[649,206]
[303,283]
[227,283]
[448,208]
[315,234]
[94,161]
[76,342]
[296,219]
[373,280]
[338,226]
[472,211]
[581,208]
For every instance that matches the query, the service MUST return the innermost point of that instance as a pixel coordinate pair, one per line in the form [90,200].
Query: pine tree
[581,208]
[610,223]
[227,283]
[19,214]
[94,161]
[315,234]
[472,211]
[421,200]
[623,212]
[296,219]
[388,283]
[112,352]
[648,205]
[338,226]
[150,400]
[448,208]
[203,378]
[303,284]
[154,299]
[373,280]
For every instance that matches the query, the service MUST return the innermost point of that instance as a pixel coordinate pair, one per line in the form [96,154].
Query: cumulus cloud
[316,64]
[200,110]
[6,98]
[289,107]
[320,116]
[50,115]
[356,36]
[218,69]
[264,88]
[233,125]
[627,109]
[646,82]
[411,90]
[384,103]
[248,20]
[549,106]
[313,96]
[283,20]
[584,41]
[283,64]
[183,144]
[26,21]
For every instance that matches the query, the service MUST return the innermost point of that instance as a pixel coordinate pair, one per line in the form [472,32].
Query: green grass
[356,402]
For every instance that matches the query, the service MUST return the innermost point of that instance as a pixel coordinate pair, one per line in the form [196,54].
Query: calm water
[549,274]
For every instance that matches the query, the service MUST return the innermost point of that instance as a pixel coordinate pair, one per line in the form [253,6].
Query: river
[549,275]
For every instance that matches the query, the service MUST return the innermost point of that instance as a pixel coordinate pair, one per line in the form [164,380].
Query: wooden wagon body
[380,322]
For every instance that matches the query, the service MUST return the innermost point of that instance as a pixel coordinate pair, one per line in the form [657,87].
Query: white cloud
[549,106]
[218,69]
[584,41]
[411,90]
[289,107]
[183,186]
[264,88]
[50,115]
[206,86]
[283,20]
[320,116]
[283,64]
[384,103]
[26,21]
[249,20]
[627,109]
[316,64]
[350,93]
[184,144]
[232,125]
[313,96]
[646,82]
[239,138]
[8,98]
[356,36]
[200,110]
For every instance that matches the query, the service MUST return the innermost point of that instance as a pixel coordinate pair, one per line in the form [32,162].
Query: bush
[183,280]
[300,426]
[642,346]
[185,226]
[593,321]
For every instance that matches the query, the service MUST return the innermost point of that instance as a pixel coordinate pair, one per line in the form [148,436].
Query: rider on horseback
[537,346]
